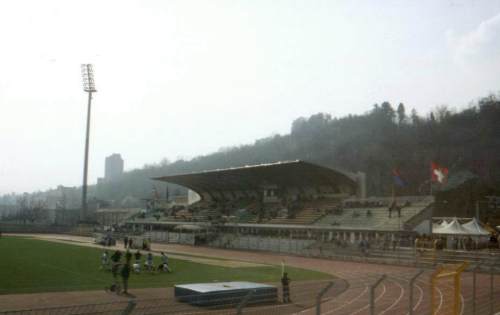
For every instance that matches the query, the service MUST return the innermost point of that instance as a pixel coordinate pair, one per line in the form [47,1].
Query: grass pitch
[30,265]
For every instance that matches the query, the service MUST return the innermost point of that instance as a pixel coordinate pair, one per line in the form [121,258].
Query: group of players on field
[115,264]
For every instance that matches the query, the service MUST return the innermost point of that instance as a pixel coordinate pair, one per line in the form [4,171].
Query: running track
[391,296]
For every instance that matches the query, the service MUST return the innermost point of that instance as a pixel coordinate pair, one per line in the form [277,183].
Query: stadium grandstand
[286,206]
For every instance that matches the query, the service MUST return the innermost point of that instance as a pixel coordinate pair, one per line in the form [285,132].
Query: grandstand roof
[253,177]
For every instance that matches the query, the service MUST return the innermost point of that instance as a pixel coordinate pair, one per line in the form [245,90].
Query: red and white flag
[438,173]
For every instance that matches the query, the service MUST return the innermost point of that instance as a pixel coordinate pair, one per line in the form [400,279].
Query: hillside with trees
[385,138]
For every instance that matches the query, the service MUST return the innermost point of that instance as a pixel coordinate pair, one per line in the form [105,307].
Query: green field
[29,265]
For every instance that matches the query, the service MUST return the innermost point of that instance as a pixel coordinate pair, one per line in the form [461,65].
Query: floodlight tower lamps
[89,87]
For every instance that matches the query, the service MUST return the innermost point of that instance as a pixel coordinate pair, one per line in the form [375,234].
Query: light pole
[89,87]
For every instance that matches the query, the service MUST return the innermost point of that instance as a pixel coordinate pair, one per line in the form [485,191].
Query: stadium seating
[375,218]
[306,216]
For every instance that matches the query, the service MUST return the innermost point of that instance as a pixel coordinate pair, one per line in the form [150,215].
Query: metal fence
[401,254]
[406,292]
[304,295]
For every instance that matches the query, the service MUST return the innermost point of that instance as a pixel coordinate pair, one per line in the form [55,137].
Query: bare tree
[30,209]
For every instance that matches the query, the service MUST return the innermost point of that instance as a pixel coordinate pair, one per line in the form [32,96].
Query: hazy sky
[183,78]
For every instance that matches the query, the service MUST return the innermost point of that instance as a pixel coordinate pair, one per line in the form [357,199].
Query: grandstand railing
[388,200]
[415,220]
[381,251]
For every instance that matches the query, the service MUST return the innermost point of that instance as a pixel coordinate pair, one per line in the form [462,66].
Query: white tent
[454,227]
[475,228]
[444,223]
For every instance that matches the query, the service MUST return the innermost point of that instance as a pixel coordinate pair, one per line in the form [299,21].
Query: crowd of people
[458,242]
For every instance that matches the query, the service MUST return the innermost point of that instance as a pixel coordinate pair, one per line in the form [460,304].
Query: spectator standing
[125,273]
[493,241]
[130,242]
[362,246]
[125,242]
[417,243]
[285,283]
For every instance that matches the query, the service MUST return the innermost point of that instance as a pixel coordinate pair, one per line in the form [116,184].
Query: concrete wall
[171,237]
[247,242]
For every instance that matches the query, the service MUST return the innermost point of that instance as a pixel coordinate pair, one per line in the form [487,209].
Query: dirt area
[156,249]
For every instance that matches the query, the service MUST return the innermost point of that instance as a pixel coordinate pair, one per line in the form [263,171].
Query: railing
[473,291]
[399,198]
[303,296]
[415,220]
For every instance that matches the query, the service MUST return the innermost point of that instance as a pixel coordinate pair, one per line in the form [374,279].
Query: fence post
[474,274]
[412,281]
[243,303]
[372,294]
[492,301]
[320,296]
[130,307]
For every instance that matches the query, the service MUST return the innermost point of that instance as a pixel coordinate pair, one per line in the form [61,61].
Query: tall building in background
[113,167]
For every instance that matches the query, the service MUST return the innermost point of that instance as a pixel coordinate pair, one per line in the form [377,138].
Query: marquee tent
[475,228]
[454,227]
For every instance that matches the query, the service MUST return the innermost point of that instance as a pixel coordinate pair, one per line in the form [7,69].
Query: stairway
[303,217]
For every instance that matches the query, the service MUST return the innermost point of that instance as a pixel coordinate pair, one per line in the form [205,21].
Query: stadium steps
[247,218]
[360,218]
[304,217]
[205,215]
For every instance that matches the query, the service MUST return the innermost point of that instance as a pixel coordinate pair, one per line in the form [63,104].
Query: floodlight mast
[89,87]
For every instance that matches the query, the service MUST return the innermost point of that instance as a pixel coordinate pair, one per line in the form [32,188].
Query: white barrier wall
[262,243]
[171,237]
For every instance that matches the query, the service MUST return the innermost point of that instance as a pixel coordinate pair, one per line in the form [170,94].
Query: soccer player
[137,265]
[105,260]
[149,262]
[164,263]
[115,259]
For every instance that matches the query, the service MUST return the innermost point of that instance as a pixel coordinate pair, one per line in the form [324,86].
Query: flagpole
[430,180]
[393,192]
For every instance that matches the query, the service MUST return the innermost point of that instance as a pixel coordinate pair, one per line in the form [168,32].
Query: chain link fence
[303,296]
[406,292]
